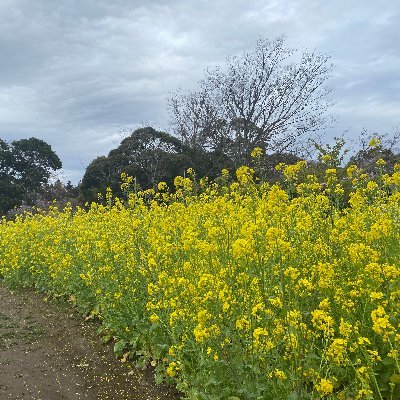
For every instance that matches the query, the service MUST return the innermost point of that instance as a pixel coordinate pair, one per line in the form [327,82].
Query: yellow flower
[258,333]
[244,175]
[351,171]
[162,186]
[376,295]
[154,318]
[172,369]
[380,320]
[324,304]
[326,158]
[364,394]
[252,273]
[324,387]
[225,173]
[336,352]
[256,153]
[278,374]
[322,321]
[242,248]
[243,324]
[200,333]
[291,172]
[374,142]
[362,340]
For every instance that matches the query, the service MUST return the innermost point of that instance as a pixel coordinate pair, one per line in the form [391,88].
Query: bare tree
[262,99]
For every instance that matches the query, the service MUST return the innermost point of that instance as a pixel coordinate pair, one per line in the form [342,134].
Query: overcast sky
[74,72]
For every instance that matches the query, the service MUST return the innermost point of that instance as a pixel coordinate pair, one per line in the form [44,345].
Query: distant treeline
[263,99]
[151,157]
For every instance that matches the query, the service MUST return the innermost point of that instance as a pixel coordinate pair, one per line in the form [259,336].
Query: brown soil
[48,352]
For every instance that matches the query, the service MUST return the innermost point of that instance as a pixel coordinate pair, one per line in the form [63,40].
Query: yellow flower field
[234,290]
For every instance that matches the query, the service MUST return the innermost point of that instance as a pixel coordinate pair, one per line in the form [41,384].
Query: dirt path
[48,353]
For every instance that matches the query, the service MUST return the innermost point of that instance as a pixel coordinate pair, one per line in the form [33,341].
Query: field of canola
[239,291]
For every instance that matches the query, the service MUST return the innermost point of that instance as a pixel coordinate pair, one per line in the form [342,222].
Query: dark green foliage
[367,158]
[265,166]
[25,167]
[375,146]
[150,156]
[100,174]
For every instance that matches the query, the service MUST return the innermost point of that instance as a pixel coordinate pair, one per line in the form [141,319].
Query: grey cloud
[74,72]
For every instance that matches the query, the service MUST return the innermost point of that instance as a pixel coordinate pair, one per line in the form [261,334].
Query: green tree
[265,166]
[101,173]
[147,154]
[25,167]
[374,147]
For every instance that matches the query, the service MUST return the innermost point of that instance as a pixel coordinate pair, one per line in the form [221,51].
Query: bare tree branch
[262,99]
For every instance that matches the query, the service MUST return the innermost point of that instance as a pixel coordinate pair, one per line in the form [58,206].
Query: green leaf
[395,378]
[159,379]
[388,361]
[119,347]
[105,339]
[293,396]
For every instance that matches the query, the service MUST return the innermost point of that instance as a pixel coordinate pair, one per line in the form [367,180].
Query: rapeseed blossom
[240,289]
[324,387]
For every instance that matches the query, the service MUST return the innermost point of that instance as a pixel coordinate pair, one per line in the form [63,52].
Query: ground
[49,352]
